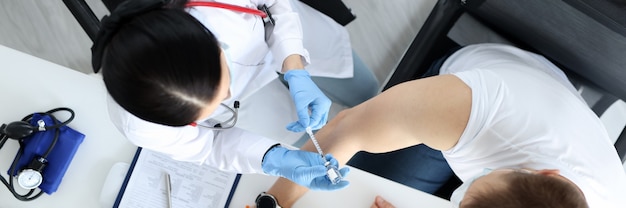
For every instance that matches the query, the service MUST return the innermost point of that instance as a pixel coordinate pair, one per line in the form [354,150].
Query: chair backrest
[589,45]
[112,4]
[85,16]
[586,37]
[568,36]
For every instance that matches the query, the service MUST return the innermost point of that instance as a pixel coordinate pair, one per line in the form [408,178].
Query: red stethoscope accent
[228,6]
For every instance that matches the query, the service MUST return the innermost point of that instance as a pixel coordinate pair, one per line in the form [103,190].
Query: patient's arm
[433,111]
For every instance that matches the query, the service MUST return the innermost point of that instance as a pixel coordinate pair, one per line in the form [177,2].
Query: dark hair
[162,66]
[528,190]
[176,4]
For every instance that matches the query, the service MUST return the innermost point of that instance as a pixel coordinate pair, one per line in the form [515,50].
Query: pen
[168,189]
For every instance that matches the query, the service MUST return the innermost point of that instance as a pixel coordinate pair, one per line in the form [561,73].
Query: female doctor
[172,69]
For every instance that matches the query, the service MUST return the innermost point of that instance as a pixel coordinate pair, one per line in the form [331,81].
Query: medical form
[192,185]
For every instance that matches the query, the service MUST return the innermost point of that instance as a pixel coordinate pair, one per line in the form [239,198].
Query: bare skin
[433,111]
[293,61]
[379,202]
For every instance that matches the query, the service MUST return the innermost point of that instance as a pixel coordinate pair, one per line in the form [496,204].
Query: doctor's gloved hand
[305,95]
[302,167]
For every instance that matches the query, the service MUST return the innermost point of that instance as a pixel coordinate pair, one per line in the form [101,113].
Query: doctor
[174,70]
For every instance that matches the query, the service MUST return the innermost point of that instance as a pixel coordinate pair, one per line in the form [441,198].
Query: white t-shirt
[525,114]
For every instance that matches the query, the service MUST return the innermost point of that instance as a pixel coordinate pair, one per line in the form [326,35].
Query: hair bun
[110,24]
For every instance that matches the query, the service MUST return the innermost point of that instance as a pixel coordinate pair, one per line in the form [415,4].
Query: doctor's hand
[302,167]
[305,95]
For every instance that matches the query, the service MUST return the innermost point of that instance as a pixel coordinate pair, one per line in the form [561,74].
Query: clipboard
[192,185]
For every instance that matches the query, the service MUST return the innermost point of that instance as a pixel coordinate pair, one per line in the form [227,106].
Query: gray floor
[46,29]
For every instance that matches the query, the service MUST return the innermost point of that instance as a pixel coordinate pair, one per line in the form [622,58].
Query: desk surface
[30,84]
[363,188]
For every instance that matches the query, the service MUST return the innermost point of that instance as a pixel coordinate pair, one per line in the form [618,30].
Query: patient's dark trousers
[417,166]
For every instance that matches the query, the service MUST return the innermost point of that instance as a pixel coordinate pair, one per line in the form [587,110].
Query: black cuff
[268,150]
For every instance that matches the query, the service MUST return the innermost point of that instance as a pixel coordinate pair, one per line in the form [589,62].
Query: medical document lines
[30,84]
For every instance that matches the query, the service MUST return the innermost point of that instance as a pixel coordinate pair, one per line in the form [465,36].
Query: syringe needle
[332,172]
[317,145]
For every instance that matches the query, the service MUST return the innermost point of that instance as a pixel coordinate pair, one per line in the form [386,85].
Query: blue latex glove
[302,167]
[305,95]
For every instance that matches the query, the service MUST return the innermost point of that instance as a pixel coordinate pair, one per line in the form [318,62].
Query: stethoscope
[230,123]
[262,11]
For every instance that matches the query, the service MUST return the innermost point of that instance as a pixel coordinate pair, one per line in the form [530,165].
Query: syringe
[317,145]
[332,172]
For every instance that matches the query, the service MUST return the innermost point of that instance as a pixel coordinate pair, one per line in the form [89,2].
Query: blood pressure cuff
[59,158]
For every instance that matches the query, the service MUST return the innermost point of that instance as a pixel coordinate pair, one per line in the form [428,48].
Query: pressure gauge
[29,179]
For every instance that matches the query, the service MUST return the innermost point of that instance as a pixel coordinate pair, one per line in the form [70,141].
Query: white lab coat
[254,62]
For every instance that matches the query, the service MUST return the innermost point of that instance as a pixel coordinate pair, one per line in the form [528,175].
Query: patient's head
[522,188]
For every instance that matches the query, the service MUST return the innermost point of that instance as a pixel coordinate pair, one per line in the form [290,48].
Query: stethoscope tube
[219,126]
[227,6]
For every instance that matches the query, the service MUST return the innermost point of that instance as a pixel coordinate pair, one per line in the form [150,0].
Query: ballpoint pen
[168,189]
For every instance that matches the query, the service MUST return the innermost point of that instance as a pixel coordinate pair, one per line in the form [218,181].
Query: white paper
[193,186]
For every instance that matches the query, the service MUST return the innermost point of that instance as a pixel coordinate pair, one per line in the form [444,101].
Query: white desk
[29,84]
[360,193]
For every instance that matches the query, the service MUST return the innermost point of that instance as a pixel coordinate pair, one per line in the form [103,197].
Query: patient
[508,123]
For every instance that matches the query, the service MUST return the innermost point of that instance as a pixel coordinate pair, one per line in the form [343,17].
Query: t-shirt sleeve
[487,95]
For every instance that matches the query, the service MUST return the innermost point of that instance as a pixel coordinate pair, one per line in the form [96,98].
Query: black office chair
[585,38]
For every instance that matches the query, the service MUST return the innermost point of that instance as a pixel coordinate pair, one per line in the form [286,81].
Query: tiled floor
[384,29]
[46,29]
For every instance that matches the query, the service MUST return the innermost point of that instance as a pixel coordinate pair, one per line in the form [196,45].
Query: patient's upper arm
[433,111]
